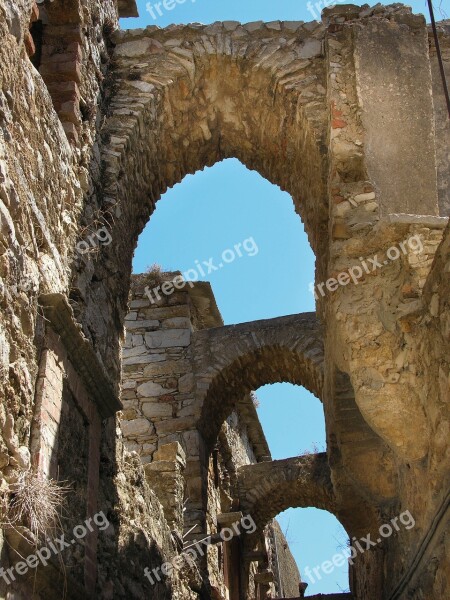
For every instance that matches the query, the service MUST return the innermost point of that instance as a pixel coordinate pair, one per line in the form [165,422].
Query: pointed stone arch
[190,96]
[297,103]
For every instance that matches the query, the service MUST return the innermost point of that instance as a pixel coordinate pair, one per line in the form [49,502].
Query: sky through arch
[202,218]
[294,423]
[207,215]
[223,206]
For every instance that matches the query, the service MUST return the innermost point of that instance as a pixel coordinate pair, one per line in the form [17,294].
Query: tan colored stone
[150,389]
[154,410]
[136,427]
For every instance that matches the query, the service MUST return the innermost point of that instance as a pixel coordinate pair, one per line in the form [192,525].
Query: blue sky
[200,218]
[208,11]
[209,213]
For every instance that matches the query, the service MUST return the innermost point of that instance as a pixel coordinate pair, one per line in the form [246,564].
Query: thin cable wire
[439,56]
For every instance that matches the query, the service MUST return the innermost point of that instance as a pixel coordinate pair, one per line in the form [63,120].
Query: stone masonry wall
[106,126]
[159,422]
[43,178]
[157,380]
[40,202]
[375,327]
[44,174]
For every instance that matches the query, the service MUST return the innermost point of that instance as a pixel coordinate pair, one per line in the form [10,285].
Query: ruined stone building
[145,408]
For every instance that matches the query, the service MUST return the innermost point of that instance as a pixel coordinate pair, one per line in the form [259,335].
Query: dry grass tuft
[154,275]
[36,503]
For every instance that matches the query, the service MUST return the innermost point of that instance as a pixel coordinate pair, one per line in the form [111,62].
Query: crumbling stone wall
[160,421]
[157,380]
[98,137]
[44,176]
[40,203]
[159,356]
[43,180]
[289,575]
[425,484]
[381,312]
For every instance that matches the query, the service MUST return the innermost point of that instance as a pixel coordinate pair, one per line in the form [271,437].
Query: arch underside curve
[259,97]
[269,488]
[235,360]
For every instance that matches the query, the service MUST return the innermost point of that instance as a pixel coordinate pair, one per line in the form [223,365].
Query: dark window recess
[37,33]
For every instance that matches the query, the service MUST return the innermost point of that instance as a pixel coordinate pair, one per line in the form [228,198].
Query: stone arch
[268,488]
[190,96]
[232,361]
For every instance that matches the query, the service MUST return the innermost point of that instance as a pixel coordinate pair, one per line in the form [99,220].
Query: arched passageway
[271,487]
[260,99]
[232,361]
[326,541]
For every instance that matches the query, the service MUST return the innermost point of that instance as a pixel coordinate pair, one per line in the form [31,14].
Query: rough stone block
[139,48]
[311,48]
[172,451]
[186,383]
[136,427]
[174,425]
[150,389]
[154,410]
[168,338]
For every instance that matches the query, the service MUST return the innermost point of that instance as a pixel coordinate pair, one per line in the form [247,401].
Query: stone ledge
[264,577]
[228,519]
[58,312]
[431,221]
